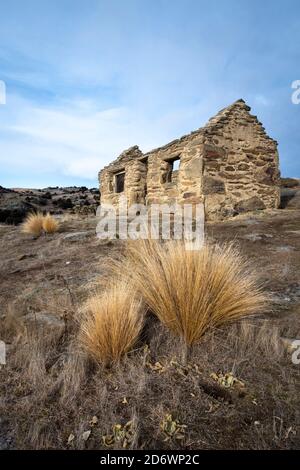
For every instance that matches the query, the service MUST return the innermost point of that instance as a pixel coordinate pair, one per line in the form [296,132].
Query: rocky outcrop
[290,193]
[290,198]
[13,212]
[16,204]
[290,183]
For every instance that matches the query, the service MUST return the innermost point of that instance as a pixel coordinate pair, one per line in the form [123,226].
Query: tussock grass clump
[50,224]
[112,322]
[33,224]
[36,223]
[192,291]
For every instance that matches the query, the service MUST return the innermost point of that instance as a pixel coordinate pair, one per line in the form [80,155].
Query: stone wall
[129,162]
[186,184]
[241,164]
[230,164]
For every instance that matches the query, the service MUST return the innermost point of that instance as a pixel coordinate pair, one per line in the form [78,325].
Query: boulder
[76,236]
[45,321]
[290,199]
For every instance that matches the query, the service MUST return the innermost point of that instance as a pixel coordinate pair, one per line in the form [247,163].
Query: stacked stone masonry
[231,165]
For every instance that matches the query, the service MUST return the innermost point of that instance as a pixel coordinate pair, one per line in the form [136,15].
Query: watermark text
[154,221]
[296,93]
[2,92]
[2,353]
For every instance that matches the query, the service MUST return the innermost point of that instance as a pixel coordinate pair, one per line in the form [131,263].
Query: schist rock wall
[231,165]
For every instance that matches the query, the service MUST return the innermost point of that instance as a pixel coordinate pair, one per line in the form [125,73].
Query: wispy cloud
[85,80]
[75,138]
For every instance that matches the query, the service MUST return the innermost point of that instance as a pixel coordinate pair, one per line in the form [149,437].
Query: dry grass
[112,323]
[192,291]
[53,391]
[36,223]
[50,224]
[33,224]
[50,388]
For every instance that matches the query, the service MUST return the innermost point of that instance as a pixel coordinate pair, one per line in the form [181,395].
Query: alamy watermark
[2,353]
[154,221]
[296,353]
[2,92]
[296,94]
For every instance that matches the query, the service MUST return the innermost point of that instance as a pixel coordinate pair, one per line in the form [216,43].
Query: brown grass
[33,224]
[192,291]
[112,323]
[49,389]
[50,224]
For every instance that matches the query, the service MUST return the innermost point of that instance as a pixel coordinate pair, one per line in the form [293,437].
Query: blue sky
[86,79]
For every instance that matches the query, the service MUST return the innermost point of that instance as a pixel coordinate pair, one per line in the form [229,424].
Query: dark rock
[47,195]
[45,321]
[252,204]
[5,190]
[64,203]
[188,195]
[286,182]
[267,176]
[14,212]
[290,199]
[94,191]
[213,185]
[243,166]
[76,236]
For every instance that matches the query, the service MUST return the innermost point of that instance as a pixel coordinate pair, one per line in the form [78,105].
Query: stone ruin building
[230,164]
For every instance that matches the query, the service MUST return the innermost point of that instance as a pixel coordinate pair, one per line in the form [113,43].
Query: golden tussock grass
[112,323]
[33,224]
[36,223]
[192,291]
[50,224]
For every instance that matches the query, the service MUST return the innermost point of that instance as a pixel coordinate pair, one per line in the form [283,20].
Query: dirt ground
[49,401]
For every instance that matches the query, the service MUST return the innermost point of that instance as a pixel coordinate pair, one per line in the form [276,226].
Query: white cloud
[72,138]
[75,138]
